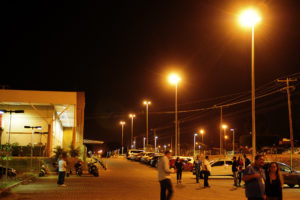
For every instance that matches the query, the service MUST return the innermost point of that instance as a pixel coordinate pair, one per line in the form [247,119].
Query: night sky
[120,52]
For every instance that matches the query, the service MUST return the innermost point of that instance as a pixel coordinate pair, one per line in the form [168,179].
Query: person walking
[241,169]
[179,168]
[206,171]
[247,160]
[235,170]
[197,164]
[255,179]
[62,168]
[164,176]
[274,182]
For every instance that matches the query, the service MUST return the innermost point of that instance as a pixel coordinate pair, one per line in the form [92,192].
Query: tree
[74,152]
[59,150]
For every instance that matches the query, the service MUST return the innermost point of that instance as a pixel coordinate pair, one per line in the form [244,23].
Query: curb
[5,191]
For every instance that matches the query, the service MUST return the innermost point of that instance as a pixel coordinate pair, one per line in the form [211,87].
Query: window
[219,163]
[228,162]
[284,168]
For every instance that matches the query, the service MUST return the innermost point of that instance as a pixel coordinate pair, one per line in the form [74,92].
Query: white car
[222,167]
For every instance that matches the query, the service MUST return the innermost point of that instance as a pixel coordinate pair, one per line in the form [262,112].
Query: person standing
[178,167]
[274,182]
[62,168]
[247,160]
[197,164]
[255,179]
[164,176]
[241,169]
[206,171]
[235,170]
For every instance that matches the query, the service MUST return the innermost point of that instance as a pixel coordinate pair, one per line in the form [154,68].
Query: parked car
[132,152]
[146,158]
[222,167]
[187,162]
[10,173]
[153,162]
[290,177]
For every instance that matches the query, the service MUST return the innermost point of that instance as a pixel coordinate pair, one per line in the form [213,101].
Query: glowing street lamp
[174,79]
[202,133]
[249,18]
[195,135]
[122,124]
[144,140]
[131,116]
[224,127]
[232,141]
[155,142]
[32,133]
[147,103]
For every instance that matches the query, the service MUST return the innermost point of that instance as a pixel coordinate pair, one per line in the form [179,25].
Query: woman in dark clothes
[274,182]
[178,167]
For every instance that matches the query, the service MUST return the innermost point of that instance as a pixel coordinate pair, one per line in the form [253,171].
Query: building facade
[60,116]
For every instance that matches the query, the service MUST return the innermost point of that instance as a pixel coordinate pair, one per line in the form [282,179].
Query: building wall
[68,136]
[19,134]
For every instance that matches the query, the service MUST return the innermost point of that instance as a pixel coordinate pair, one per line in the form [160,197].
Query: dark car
[10,173]
[290,177]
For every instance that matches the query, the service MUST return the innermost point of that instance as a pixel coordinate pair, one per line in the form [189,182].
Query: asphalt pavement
[127,180]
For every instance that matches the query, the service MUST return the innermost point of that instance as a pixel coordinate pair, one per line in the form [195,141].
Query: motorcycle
[78,168]
[43,171]
[93,169]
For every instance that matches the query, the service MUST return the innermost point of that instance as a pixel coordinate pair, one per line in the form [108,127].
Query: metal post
[122,138]
[176,123]
[147,122]
[290,121]
[253,96]
[221,132]
[31,152]
[131,131]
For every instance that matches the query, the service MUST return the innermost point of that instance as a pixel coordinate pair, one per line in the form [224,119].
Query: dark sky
[120,52]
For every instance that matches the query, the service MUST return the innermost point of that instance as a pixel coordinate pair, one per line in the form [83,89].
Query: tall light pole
[174,79]
[249,18]
[32,134]
[225,137]
[224,126]
[147,103]
[155,142]
[232,141]
[202,133]
[9,130]
[195,135]
[131,138]
[122,124]
[144,141]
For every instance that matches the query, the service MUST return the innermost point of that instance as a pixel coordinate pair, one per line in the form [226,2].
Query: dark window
[219,163]
[228,162]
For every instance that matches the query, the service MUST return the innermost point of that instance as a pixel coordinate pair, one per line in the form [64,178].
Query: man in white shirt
[206,169]
[164,176]
[62,168]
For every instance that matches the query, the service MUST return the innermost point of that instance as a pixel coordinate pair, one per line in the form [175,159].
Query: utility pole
[287,80]
[221,132]
[178,134]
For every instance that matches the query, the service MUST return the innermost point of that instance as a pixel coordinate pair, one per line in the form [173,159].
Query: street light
[174,79]
[32,134]
[249,18]
[165,147]
[122,124]
[155,140]
[232,141]
[224,126]
[226,137]
[131,116]
[147,103]
[144,140]
[202,133]
[9,130]
[195,135]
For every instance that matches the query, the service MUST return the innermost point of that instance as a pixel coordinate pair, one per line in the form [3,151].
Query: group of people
[238,167]
[259,184]
[164,171]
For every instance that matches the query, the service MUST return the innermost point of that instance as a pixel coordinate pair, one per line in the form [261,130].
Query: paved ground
[129,180]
